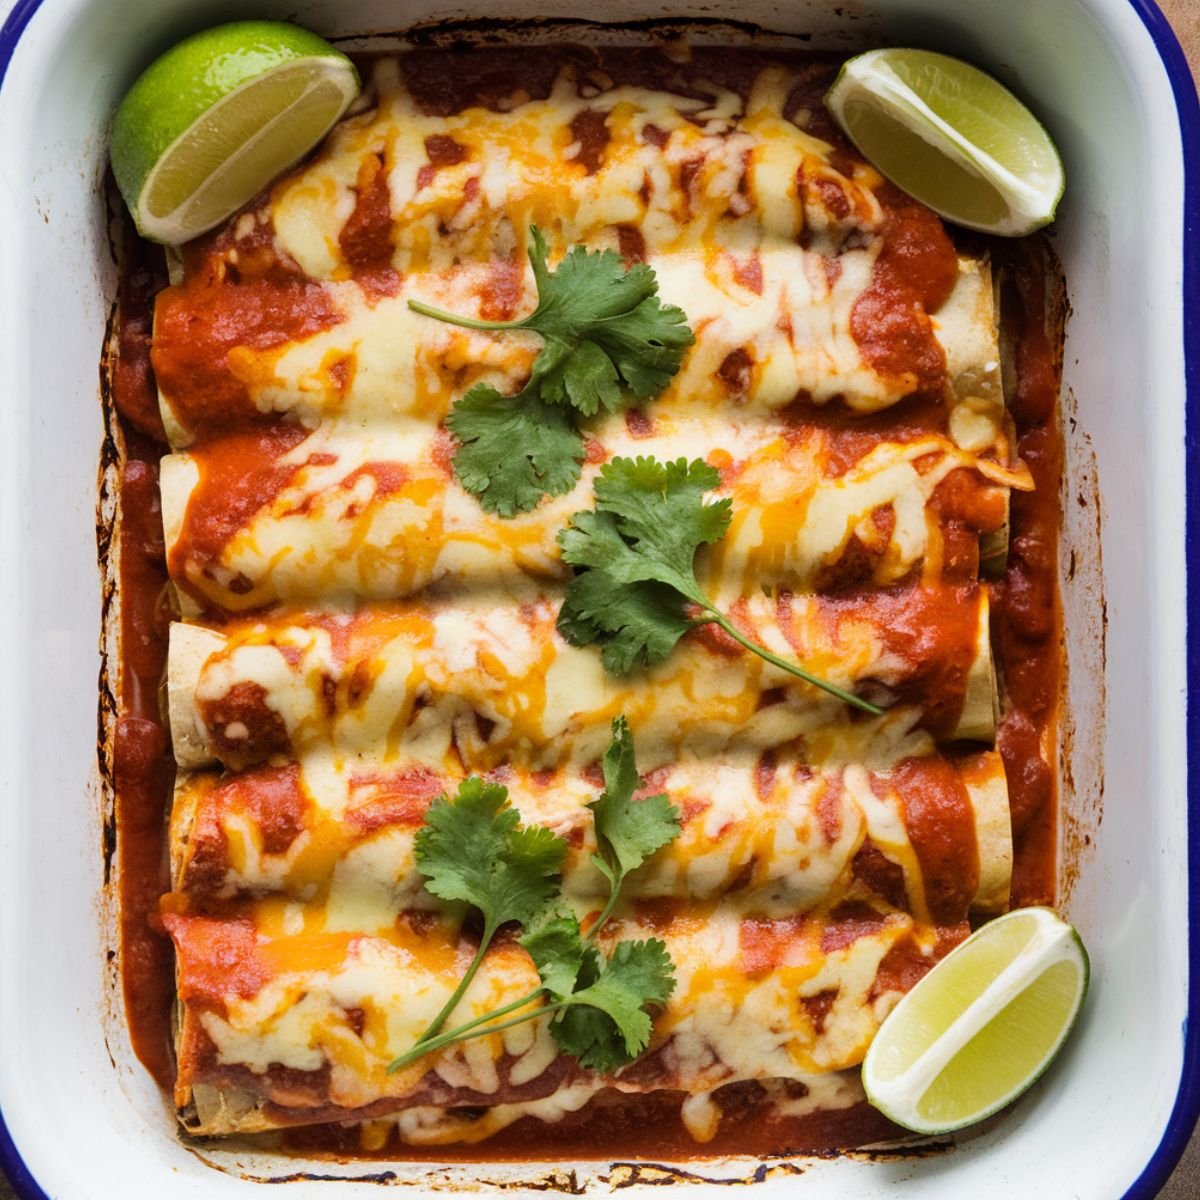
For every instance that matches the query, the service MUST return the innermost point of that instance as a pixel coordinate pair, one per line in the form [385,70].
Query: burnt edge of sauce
[475,32]
[138,768]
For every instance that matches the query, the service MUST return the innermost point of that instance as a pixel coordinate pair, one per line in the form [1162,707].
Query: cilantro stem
[489,1016]
[489,931]
[614,892]
[428,1046]
[792,668]
[440,314]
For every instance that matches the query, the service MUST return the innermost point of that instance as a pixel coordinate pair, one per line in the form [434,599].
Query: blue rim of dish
[1187,1100]
[1186,1110]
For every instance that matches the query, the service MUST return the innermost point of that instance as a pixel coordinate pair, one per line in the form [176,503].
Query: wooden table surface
[1184,1184]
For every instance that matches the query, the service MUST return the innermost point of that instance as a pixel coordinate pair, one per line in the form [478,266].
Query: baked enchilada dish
[409,581]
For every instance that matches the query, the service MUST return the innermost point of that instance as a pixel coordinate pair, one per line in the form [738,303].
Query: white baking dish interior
[86,1118]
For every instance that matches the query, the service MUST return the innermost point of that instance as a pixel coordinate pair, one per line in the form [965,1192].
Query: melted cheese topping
[359,1002]
[786,838]
[333,530]
[544,702]
[718,191]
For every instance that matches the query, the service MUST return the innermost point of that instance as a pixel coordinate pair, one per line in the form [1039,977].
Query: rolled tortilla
[374,513]
[767,238]
[300,1027]
[187,645]
[925,832]
[498,680]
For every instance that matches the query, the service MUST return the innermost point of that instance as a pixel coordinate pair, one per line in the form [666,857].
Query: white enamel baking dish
[80,1117]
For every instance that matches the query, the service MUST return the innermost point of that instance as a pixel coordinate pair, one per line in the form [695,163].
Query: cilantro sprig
[604,1023]
[607,337]
[473,848]
[634,556]
[608,341]
[628,831]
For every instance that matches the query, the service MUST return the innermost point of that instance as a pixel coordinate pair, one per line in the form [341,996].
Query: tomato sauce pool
[889,322]
[143,769]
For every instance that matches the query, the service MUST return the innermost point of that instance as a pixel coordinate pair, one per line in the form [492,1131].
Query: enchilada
[296,1028]
[775,831]
[787,249]
[384,676]
[378,513]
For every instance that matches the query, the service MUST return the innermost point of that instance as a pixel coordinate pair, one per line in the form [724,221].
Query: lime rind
[985,120]
[962,977]
[1001,1047]
[899,1077]
[183,83]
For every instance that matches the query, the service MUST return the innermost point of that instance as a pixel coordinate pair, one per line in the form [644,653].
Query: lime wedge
[981,1026]
[215,119]
[950,135]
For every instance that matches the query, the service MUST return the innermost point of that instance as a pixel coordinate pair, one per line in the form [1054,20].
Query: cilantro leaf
[602,1018]
[641,542]
[582,377]
[474,848]
[636,556]
[557,948]
[628,831]
[513,450]
[606,1024]
[635,567]
[588,286]
[656,520]
[636,625]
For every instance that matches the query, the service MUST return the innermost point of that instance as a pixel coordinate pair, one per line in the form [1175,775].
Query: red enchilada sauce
[143,769]
[1026,625]
[200,328]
